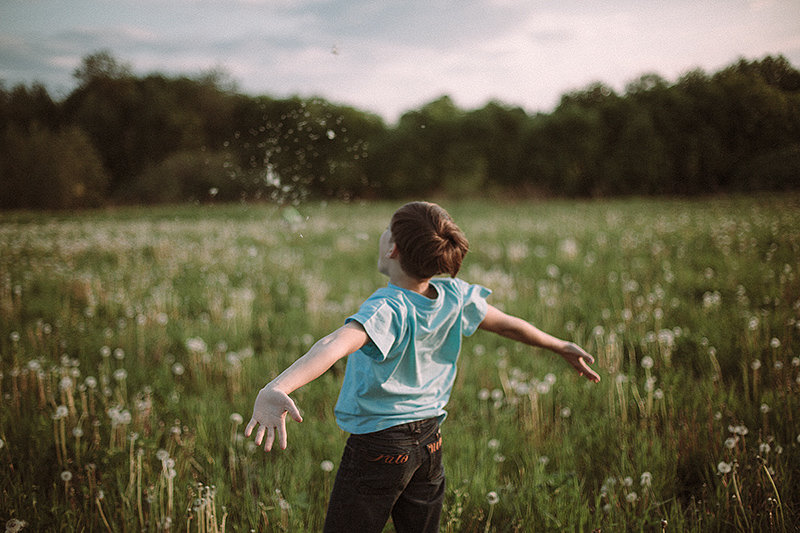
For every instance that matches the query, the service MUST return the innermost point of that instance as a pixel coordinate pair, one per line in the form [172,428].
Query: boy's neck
[421,286]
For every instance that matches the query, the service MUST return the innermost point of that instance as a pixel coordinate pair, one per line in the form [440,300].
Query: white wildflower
[492,498]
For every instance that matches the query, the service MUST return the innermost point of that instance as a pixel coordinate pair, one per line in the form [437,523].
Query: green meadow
[133,343]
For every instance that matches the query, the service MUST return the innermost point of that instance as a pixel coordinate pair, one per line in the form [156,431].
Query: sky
[393,56]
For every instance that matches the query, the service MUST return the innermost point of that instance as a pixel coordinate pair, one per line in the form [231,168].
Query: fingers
[282,437]
[270,439]
[260,435]
[588,372]
[294,411]
[250,425]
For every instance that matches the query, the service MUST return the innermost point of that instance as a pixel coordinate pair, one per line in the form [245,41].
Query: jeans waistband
[417,430]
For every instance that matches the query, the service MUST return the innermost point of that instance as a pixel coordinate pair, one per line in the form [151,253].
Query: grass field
[133,343]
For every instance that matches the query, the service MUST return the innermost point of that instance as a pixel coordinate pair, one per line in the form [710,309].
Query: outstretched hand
[580,360]
[269,413]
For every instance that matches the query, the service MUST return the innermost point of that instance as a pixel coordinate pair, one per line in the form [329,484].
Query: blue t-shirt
[406,370]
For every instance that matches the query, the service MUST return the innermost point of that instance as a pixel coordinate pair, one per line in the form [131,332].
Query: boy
[403,344]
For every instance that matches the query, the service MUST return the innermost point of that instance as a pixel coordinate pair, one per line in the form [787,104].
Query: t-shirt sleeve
[382,324]
[475,306]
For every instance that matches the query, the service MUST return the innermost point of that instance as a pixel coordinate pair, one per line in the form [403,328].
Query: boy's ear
[393,252]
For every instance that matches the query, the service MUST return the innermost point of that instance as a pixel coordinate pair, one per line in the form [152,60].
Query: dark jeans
[395,472]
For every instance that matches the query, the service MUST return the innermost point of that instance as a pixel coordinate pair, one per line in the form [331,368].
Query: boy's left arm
[520,330]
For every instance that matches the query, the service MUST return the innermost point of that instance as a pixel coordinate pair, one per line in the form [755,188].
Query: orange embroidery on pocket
[435,446]
[391,459]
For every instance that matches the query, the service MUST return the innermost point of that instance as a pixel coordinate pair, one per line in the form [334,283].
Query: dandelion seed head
[326,465]
[492,498]
[236,418]
[566,412]
[14,336]
[178,369]
[494,444]
[646,479]
[119,354]
[65,384]
[731,442]
[765,408]
[756,364]
[162,455]
[484,394]
[77,432]
[14,525]
[120,374]
[647,362]
[723,467]
[66,475]
[196,345]
[775,342]
[764,448]
[499,458]
[631,497]
[658,394]
[61,412]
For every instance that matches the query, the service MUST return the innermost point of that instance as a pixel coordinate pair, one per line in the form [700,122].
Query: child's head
[428,241]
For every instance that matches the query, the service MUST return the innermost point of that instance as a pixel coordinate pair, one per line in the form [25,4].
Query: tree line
[122,138]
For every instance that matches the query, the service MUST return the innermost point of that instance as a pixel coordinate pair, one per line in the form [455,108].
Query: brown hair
[428,240]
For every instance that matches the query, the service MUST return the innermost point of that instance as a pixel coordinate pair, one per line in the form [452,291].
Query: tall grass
[133,343]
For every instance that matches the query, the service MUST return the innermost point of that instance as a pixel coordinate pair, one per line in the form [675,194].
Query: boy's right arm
[273,402]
